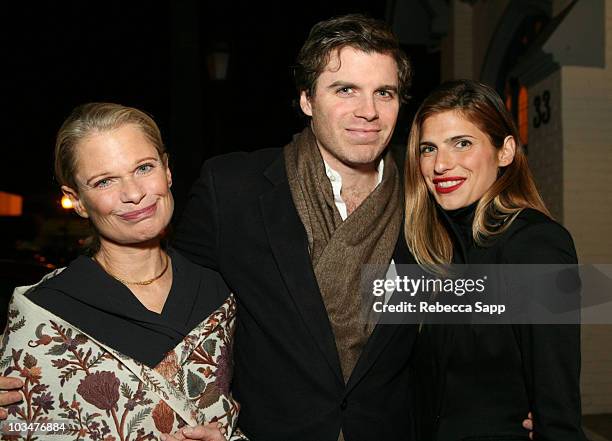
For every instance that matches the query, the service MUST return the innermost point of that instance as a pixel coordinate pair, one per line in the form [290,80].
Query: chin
[450,204]
[447,206]
[365,158]
[144,235]
[154,233]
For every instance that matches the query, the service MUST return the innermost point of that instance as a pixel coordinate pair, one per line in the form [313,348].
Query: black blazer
[240,220]
[480,381]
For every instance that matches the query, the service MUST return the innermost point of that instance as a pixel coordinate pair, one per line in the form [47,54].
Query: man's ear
[505,155]
[77,203]
[305,104]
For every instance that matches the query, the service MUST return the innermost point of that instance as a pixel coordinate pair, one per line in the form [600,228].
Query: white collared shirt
[336,182]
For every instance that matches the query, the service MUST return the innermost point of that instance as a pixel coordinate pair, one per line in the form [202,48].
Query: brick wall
[545,146]
[587,133]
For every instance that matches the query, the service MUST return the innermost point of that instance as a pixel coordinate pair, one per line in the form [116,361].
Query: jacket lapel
[287,239]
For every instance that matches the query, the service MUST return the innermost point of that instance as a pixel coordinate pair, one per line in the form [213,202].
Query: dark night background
[154,56]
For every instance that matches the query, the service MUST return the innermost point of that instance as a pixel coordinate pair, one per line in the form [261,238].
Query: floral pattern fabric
[101,394]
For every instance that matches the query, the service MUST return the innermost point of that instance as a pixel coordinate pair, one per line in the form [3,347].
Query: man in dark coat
[289,229]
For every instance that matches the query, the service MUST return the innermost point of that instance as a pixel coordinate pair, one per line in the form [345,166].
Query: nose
[132,191]
[444,161]
[366,108]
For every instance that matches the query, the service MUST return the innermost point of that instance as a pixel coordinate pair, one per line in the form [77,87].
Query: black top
[93,301]
[532,238]
[480,381]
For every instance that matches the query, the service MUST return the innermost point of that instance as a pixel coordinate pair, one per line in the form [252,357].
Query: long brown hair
[513,190]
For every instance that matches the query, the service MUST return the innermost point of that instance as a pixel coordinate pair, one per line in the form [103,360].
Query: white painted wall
[587,133]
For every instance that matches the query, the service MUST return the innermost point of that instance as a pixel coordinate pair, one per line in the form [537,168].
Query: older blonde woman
[133,340]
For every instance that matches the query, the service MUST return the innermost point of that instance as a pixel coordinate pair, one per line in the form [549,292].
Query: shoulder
[210,280]
[241,163]
[241,175]
[535,224]
[77,274]
[533,237]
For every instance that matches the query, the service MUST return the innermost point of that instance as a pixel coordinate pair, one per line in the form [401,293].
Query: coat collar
[275,172]
[289,245]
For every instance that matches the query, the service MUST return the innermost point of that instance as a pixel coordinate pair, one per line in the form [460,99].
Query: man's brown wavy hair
[354,30]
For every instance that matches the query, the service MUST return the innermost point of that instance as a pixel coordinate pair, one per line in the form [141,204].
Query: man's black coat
[240,220]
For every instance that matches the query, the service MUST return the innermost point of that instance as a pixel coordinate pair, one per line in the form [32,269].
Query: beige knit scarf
[338,249]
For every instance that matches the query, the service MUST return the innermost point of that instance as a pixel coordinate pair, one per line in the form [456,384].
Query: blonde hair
[91,118]
[513,191]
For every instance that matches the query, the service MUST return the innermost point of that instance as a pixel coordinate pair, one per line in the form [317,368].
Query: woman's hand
[8,393]
[207,432]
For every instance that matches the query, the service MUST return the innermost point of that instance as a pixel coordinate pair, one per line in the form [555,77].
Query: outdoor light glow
[66,202]
[10,204]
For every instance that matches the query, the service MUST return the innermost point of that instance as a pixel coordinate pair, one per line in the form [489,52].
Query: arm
[550,353]
[197,232]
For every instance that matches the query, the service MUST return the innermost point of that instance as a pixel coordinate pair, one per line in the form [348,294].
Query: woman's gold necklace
[144,282]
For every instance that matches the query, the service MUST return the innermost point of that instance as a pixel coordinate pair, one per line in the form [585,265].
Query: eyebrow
[448,140]
[138,164]
[348,84]
[389,87]
[341,83]
[95,177]
[458,137]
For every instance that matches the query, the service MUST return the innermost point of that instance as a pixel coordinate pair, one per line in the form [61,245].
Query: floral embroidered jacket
[101,394]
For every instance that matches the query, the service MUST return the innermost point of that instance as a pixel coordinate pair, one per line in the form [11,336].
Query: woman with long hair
[471,199]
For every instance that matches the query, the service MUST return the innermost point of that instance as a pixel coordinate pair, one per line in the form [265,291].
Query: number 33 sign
[542,109]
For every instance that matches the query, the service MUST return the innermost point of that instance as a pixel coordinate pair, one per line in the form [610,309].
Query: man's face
[354,107]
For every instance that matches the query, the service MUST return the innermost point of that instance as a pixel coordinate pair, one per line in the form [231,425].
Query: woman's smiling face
[123,185]
[457,159]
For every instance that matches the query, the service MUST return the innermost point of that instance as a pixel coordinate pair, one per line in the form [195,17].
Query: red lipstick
[448,184]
